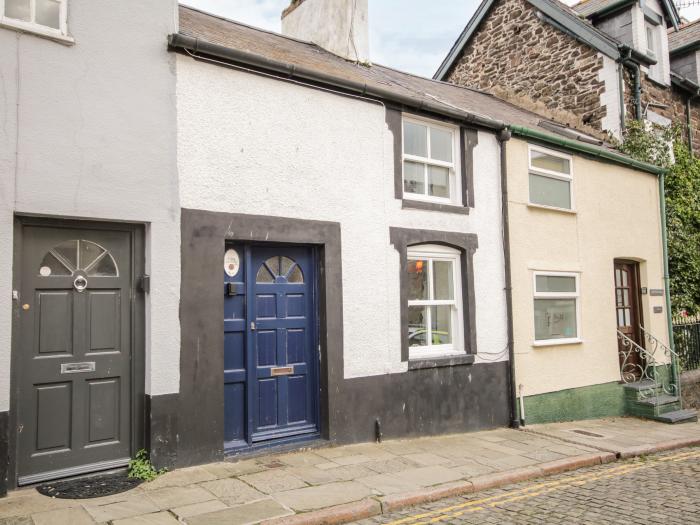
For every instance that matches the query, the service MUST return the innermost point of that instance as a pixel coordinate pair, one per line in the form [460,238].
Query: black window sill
[433,206]
[440,362]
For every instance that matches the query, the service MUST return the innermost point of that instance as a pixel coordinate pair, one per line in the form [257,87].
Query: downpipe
[503,137]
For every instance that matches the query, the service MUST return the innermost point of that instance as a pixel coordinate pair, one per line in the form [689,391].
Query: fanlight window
[70,256]
[279,270]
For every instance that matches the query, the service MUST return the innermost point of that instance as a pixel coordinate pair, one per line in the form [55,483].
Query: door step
[678,416]
[659,400]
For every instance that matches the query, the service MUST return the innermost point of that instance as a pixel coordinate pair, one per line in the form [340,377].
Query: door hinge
[252,326]
[320,355]
[145,283]
[15,295]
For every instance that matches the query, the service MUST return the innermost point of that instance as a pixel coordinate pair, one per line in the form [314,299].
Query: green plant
[663,147]
[141,467]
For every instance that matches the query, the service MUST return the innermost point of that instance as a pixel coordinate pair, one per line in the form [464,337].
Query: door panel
[75,351]
[280,388]
[628,315]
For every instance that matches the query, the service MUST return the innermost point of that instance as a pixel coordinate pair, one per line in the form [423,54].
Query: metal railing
[654,367]
[686,335]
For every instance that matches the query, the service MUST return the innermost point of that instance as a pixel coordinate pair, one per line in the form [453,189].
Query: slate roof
[588,7]
[687,34]
[228,33]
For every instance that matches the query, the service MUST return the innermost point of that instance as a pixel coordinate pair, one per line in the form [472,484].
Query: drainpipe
[667,278]
[628,62]
[688,123]
[503,137]
[621,91]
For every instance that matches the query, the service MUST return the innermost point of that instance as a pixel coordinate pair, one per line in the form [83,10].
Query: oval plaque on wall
[232,263]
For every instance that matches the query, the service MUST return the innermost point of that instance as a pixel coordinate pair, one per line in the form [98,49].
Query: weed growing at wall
[653,145]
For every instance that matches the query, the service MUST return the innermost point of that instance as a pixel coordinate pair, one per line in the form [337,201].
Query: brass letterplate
[282,371]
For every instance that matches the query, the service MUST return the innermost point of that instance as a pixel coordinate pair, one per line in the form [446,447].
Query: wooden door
[629,316]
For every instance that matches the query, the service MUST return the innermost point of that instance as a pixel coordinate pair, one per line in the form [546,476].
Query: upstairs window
[551,178]
[46,17]
[430,153]
[651,41]
[434,301]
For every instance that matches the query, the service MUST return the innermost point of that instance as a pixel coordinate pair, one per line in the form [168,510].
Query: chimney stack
[338,26]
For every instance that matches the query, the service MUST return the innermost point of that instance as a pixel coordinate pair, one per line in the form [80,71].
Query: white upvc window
[557,308]
[44,17]
[430,161]
[435,319]
[551,178]
[651,40]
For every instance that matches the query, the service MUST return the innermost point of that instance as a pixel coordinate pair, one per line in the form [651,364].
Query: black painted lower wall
[4,451]
[425,402]
[161,438]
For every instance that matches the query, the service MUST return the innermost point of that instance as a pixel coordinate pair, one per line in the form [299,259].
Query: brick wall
[516,56]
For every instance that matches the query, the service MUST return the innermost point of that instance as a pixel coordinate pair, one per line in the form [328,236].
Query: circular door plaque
[232,263]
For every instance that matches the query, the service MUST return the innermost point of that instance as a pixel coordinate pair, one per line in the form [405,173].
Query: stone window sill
[551,208]
[441,362]
[433,206]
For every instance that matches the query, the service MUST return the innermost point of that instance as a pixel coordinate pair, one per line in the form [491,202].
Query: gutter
[587,149]
[503,137]
[291,71]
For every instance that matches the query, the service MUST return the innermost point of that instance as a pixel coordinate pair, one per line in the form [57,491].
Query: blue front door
[270,352]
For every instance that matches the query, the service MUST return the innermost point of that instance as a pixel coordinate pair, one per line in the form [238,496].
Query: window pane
[555,319]
[418,280]
[549,162]
[18,9]
[439,181]
[47,13]
[415,139]
[550,192]
[443,280]
[414,178]
[417,326]
[555,283]
[441,145]
[441,324]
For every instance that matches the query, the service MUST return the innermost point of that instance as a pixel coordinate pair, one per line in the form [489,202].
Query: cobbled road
[663,488]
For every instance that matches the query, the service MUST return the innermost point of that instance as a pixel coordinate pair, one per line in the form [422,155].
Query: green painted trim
[588,402]
[588,149]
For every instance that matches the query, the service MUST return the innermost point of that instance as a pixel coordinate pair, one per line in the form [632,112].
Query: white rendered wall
[96,140]
[266,147]
[610,98]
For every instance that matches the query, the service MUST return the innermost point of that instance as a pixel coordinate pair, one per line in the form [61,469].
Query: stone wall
[654,96]
[690,389]
[516,56]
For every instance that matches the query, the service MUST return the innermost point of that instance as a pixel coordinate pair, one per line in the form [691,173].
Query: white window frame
[557,295]
[551,174]
[31,26]
[454,167]
[435,252]
[650,28]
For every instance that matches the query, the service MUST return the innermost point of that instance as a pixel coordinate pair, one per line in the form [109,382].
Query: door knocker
[80,283]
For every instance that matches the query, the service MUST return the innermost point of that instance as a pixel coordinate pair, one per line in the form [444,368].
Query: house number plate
[282,371]
[78,368]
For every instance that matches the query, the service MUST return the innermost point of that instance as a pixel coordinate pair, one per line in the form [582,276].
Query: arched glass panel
[73,255]
[280,269]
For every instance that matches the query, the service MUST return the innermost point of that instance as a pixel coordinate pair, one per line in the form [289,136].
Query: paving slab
[427,476]
[232,491]
[72,516]
[180,478]
[129,508]
[157,518]
[329,495]
[248,513]
[382,484]
[271,481]
[196,509]
[171,497]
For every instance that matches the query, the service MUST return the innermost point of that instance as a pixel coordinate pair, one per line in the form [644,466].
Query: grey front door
[75,349]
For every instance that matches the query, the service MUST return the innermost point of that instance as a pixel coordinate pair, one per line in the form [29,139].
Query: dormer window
[651,40]
[43,17]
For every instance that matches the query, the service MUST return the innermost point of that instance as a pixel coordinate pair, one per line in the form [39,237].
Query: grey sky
[411,35]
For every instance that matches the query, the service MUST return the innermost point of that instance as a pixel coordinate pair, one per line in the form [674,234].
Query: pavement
[349,483]
[662,489]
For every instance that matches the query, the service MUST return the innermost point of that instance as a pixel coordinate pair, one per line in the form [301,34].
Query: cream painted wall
[263,146]
[616,216]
